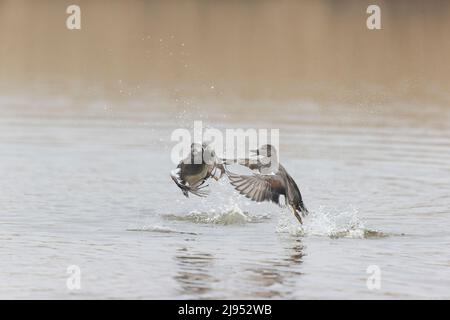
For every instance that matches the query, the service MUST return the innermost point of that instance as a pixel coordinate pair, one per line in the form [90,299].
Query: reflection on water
[194,273]
[198,276]
[277,278]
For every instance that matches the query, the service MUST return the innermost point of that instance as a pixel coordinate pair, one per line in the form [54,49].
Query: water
[91,188]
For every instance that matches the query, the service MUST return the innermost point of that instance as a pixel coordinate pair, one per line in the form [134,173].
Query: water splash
[230,214]
[329,222]
[286,225]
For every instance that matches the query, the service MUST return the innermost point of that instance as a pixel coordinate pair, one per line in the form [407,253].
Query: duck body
[269,181]
[193,171]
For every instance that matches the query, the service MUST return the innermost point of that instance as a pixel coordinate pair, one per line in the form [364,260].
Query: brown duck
[269,182]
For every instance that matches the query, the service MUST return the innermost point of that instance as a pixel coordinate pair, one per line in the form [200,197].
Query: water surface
[91,188]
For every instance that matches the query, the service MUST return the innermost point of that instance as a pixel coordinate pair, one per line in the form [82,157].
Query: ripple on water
[159,229]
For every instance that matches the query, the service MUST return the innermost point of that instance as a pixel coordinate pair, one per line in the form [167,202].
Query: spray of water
[330,222]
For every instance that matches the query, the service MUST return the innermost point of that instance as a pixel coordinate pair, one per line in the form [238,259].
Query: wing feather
[257,187]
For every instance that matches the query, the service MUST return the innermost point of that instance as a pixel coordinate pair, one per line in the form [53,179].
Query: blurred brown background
[311,49]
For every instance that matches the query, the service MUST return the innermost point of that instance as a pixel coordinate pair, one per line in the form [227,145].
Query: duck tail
[196,190]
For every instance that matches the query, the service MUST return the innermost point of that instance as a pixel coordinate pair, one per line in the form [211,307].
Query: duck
[269,180]
[193,171]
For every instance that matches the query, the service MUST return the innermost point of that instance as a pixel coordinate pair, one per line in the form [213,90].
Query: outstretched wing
[257,187]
